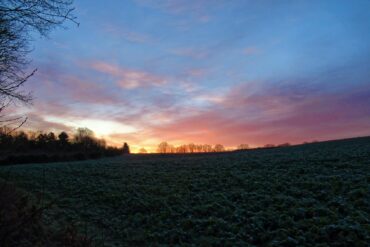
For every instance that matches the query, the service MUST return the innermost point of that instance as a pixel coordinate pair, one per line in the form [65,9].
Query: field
[314,194]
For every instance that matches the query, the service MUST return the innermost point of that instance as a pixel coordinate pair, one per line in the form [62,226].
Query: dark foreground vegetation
[309,195]
[21,222]
[37,147]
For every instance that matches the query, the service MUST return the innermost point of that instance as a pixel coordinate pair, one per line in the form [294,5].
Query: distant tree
[63,137]
[43,147]
[162,147]
[6,140]
[85,139]
[219,148]
[243,147]
[51,141]
[191,148]
[125,148]
[82,134]
[207,148]
[41,140]
[20,141]
[182,149]
[199,148]
[101,143]
[287,144]
[269,146]
[142,151]
[171,149]
[51,137]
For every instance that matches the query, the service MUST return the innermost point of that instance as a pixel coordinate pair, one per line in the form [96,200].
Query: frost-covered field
[305,195]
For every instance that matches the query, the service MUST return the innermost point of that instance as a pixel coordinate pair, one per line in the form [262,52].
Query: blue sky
[228,72]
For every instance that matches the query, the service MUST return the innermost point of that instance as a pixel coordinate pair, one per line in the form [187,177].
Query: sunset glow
[199,71]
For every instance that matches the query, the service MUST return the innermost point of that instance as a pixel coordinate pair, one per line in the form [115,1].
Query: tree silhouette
[18,18]
[6,140]
[13,49]
[207,148]
[243,147]
[41,140]
[125,148]
[287,144]
[163,147]
[142,151]
[269,146]
[22,147]
[219,148]
[63,138]
[20,141]
[85,138]
[191,147]
[182,149]
[83,134]
[51,137]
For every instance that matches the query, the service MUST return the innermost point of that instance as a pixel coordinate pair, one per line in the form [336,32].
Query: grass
[314,194]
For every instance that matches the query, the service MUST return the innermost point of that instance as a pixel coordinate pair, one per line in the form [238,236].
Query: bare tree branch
[18,18]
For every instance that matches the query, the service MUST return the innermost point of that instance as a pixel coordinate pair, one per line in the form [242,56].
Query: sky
[205,71]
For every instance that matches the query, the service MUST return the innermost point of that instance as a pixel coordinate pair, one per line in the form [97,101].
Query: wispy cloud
[273,115]
[66,86]
[129,78]
[37,122]
[207,71]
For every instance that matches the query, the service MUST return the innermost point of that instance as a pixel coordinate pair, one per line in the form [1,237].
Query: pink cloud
[129,78]
[57,85]
[275,117]
[89,91]
[257,113]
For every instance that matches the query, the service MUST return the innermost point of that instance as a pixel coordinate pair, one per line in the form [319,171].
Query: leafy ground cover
[315,194]
[21,223]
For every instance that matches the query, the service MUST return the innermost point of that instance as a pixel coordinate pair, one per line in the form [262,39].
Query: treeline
[287,144]
[36,147]
[167,148]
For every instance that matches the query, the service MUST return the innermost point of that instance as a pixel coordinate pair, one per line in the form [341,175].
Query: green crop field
[314,194]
